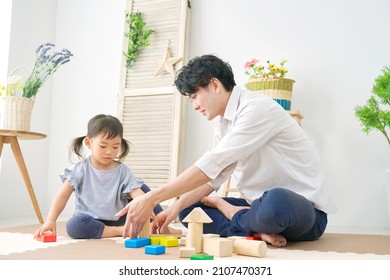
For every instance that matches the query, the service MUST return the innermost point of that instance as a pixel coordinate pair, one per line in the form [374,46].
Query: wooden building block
[154,249]
[253,248]
[186,252]
[137,242]
[201,257]
[155,240]
[252,237]
[195,236]
[210,235]
[234,237]
[197,215]
[178,235]
[195,219]
[145,231]
[169,241]
[47,238]
[183,241]
[219,247]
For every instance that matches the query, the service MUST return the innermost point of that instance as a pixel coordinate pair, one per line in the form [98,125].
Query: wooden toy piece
[47,238]
[169,241]
[220,247]
[202,257]
[166,234]
[155,240]
[137,242]
[197,215]
[194,237]
[234,237]
[253,248]
[154,249]
[183,241]
[195,219]
[252,237]
[145,231]
[210,235]
[186,252]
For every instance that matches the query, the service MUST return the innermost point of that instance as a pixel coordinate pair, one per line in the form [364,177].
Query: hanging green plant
[137,37]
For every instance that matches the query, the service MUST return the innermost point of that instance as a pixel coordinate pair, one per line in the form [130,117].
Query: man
[272,160]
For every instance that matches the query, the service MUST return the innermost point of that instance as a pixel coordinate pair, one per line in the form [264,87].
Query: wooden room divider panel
[150,108]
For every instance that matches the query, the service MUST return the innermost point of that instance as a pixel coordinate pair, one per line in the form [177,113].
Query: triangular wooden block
[197,215]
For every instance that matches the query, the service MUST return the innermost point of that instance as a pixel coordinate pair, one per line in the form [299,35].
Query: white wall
[5,28]
[33,23]
[92,30]
[335,50]
[89,84]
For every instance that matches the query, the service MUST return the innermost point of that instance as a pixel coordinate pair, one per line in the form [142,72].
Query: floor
[292,262]
[18,243]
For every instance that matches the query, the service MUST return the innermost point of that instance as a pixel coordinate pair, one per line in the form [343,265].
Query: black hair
[200,70]
[107,125]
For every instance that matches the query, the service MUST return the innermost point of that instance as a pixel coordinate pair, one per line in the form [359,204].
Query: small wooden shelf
[296,115]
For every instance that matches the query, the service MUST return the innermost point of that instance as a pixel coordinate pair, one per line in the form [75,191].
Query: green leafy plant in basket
[375,114]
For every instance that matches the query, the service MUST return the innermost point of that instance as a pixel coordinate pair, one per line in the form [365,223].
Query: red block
[251,237]
[47,238]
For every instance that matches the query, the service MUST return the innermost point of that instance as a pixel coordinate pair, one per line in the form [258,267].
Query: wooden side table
[12,137]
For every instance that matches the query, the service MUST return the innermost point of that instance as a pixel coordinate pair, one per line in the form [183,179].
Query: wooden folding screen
[150,108]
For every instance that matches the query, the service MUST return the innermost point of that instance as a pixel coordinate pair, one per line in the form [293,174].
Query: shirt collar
[232,105]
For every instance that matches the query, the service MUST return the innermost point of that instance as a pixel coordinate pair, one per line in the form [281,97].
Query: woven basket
[16,113]
[280,89]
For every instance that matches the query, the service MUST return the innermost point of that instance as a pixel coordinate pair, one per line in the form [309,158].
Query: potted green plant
[17,96]
[375,114]
[270,80]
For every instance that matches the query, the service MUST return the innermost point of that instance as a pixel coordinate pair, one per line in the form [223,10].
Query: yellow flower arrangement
[14,87]
[255,70]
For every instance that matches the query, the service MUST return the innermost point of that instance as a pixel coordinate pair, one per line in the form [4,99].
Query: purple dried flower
[45,65]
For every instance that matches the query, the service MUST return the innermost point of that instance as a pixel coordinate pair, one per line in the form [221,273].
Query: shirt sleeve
[251,128]
[222,177]
[129,183]
[74,175]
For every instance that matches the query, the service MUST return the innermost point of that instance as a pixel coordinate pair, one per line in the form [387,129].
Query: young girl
[101,183]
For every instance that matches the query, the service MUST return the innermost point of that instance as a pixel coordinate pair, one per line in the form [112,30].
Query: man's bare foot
[274,239]
[222,205]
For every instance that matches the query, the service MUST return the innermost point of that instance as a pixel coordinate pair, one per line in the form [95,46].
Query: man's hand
[139,210]
[162,220]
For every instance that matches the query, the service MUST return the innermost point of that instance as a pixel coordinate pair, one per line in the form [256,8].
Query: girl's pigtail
[76,147]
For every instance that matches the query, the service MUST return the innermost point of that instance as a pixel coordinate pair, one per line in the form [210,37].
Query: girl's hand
[47,228]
